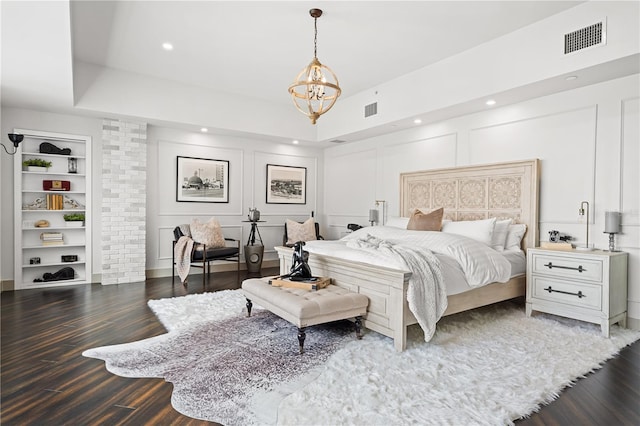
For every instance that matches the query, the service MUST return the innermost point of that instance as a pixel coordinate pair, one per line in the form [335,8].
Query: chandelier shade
[316,88]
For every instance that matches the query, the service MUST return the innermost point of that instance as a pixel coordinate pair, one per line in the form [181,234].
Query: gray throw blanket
[426,294]
[182,253]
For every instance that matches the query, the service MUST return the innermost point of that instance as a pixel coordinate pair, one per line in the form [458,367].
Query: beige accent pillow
[420,221]
[305,231]
[209,233]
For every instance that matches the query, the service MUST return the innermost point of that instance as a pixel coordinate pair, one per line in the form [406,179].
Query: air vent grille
[371,109]
[584,37]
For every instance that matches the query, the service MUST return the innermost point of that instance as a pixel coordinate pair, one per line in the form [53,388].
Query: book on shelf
[55,202]
[53,243]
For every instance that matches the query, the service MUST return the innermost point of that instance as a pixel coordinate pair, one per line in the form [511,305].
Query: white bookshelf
[29,188]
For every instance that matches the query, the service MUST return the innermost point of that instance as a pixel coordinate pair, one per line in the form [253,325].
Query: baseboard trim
[7,285]
[633,323]
[226,267]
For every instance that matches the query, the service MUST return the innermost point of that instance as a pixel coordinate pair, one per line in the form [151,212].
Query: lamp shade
[373,215]
[612,222]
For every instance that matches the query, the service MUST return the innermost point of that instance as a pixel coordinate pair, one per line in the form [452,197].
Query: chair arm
[233,239]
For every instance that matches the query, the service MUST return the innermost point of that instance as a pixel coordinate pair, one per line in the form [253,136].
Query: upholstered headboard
[503,190]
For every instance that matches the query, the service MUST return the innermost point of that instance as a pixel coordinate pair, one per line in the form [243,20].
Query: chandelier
[316,88]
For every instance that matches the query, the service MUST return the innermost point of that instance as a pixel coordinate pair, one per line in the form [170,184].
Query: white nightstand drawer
[568,267]
[584,295]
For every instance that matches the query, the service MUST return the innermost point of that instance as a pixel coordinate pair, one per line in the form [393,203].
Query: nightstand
[588,286]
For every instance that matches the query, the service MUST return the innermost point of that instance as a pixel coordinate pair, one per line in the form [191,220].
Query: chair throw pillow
[420,221]
[209,233]
[305,231]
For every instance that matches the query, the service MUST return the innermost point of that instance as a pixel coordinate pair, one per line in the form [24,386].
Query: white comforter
[480,263]
[413,251]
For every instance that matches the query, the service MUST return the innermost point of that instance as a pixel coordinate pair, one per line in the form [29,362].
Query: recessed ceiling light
[491,102]
[571,77]
[167,46]
[204,130]
[295,142]
[417,121]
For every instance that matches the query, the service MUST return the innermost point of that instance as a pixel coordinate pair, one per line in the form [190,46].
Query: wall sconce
[383,202]
[16,138]
[582,212]
[612,227]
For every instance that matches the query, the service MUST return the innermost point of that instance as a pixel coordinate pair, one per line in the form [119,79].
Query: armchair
[201,256]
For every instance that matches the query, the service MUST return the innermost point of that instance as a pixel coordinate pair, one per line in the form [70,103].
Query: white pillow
[305,231]
[479,230]
[500,232]
[514,237]
[397,222]
[209,234]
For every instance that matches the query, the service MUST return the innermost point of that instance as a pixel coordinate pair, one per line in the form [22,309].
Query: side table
[253,252]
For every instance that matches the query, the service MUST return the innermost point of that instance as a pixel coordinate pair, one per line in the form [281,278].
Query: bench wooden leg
[301,336]
[249,305]
[359,327]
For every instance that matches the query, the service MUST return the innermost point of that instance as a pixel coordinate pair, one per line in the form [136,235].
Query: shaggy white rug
[488,366]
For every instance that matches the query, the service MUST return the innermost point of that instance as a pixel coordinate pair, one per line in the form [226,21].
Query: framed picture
[202,180]
[286,184]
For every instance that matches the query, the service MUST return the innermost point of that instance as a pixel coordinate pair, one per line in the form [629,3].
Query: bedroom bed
[471,193]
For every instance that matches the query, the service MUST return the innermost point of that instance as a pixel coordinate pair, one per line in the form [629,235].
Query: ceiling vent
[371,109]
[337,141]
[593,35]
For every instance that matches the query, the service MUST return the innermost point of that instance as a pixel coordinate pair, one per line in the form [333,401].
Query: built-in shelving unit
[33,259]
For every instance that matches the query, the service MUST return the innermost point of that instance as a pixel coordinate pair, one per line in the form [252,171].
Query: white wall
[248,159]
[587,140]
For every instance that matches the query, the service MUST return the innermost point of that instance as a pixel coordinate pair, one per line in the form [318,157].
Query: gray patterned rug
[488,366]
[233,371]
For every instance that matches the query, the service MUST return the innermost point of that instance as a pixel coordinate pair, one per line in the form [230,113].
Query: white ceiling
[257,48]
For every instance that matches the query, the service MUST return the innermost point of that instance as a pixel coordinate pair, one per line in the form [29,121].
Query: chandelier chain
[315,37]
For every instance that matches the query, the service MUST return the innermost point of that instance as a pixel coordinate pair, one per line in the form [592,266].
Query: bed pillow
[420,221]
[397,222]
[514,237]
[479,230]
[209,234]
[500,232]
[305,231]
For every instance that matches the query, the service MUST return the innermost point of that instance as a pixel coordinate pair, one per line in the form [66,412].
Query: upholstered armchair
[200,255]
[300,231]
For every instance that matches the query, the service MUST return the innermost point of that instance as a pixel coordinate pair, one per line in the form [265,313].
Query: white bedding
[466,263]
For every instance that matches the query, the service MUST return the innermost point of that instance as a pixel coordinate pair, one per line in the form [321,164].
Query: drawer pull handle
[551,266]
[579,294]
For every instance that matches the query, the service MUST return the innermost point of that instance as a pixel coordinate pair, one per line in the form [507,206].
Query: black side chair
[285,238]
[202,256]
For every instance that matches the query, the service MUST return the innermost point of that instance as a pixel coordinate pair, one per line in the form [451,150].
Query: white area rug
[488,366]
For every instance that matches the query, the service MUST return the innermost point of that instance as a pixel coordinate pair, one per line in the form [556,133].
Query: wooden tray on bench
[316,284]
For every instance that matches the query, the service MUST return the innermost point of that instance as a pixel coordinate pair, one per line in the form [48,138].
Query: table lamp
[582,212]
[612,227]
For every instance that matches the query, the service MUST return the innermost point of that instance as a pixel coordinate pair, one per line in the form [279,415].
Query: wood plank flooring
[46,381]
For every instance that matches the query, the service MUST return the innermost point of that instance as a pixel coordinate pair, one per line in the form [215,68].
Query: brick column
[124,184]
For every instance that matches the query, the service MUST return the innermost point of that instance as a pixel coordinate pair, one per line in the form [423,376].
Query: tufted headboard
[502,190]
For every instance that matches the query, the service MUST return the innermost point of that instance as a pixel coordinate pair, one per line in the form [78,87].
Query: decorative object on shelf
[56,185]
[71,204]
[612,227]
[373,216]
[384,213]
[584,211]
[52,238]
[202,180]
[69,258]
[37,204]
[557,241]
[72,165]
[74,220]
[316,87]
[286,184]
[49,148]
[34,261]
[36,165]
[55,202]
[42,223]
[254,214]
[66,273]
[15,138]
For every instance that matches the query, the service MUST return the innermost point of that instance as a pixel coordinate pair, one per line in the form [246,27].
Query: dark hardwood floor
[46,381]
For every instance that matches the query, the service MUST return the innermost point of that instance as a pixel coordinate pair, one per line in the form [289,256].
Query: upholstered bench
[305,308]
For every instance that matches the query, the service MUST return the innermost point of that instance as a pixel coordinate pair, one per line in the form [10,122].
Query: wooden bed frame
[505,190]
